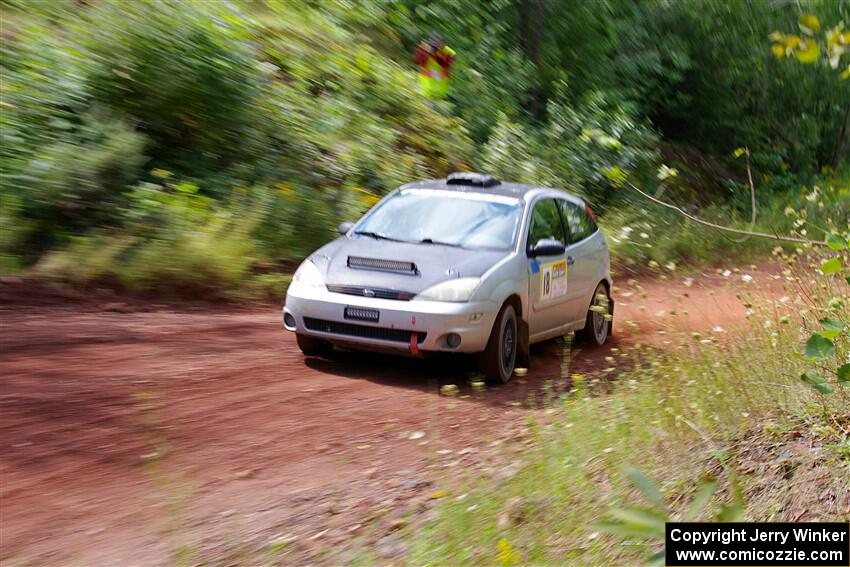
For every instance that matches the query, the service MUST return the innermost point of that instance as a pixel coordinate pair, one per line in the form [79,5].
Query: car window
[545,223]
[473,220]
[578,222]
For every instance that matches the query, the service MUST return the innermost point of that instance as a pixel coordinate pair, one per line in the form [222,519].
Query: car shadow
[554,365]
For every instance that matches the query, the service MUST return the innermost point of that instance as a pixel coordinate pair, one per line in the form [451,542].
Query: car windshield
[468,220]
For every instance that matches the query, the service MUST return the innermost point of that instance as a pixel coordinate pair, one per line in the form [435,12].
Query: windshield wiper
[439,242]
[375,235]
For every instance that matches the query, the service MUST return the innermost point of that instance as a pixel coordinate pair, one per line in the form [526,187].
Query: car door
[584,255]
[546,274]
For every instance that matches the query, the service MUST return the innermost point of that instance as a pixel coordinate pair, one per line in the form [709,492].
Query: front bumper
[398,320]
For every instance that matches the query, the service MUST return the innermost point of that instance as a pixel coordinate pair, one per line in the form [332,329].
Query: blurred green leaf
[832,324]
[616,174]
[809,23]
[817,382]
[640,518]
[829,334]
[798,356]
[809,53]
[700,500]
[646,486]
[831,266]
[657,558]
[843,373]
[629,530]
[836,241]
[819,347]
[731,513]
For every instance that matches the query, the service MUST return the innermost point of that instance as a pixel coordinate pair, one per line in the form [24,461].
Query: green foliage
[816,381]
[311,111]
[649,523]
[172,241]
[592,144]
[733,93]
[836,242]
[641,232]
[16,230]
[79,179]
[287,107]
[646,487]
[513,152]
[186,76]
[808,47]
[820,348]
[588,147]
[831,266]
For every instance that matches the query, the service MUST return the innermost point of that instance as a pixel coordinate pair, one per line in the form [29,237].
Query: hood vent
[376,264]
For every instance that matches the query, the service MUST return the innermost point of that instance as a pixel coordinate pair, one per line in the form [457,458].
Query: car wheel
[597,328]
[311,346]
[498,359]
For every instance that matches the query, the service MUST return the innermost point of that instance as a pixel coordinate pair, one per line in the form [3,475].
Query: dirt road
[155,437]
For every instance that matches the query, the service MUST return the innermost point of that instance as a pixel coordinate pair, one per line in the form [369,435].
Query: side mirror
[344,227]
[547,247]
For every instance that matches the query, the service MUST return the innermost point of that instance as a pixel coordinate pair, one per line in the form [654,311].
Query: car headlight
[307,275]
[458,290]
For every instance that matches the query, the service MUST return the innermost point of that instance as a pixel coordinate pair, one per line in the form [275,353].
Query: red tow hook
[414,343]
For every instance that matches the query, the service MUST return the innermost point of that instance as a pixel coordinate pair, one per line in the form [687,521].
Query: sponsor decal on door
[553,279]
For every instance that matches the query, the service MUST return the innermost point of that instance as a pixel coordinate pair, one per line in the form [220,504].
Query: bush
[185,74]
[289,117]
[513,152]
[594,142]
[173,241]
[645,235]
[582,145]
[79,180]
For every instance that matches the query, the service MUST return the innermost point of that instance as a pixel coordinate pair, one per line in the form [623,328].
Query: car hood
[399,266]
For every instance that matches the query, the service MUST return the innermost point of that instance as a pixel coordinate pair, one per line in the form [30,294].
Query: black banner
[742,544]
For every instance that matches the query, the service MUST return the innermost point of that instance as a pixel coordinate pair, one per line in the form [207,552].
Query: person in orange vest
[435,60]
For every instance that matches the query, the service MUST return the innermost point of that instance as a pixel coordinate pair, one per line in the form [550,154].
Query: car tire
[498,359]
[311,346]
[596,329]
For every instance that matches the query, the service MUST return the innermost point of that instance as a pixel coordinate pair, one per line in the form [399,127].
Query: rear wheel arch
[587,332]
[607,285]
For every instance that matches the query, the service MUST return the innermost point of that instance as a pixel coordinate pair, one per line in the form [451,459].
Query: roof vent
[470,178]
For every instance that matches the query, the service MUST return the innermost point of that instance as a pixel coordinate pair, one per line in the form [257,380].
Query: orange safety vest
[434,71]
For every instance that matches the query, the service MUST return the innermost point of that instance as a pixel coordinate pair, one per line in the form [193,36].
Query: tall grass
[680,416]
[643,234]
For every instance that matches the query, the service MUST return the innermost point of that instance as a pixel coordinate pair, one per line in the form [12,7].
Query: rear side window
[578,222]
[545,223]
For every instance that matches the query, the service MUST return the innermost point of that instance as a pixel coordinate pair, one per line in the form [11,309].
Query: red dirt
[148,438]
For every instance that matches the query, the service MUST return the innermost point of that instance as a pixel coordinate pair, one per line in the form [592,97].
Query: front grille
[380,293]
[395,266]
[363,314]
[353,330]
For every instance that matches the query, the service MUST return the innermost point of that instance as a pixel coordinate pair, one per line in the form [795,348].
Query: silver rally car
[465,264]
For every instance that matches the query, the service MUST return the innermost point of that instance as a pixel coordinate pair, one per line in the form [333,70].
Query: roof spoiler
[471,178]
